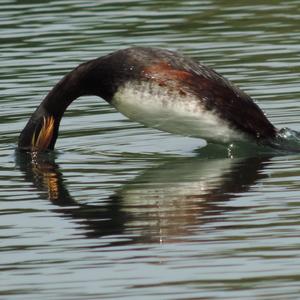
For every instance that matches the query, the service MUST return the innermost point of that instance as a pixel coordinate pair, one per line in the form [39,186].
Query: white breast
[167,110]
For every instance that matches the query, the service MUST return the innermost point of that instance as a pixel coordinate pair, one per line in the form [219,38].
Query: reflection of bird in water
[164,203]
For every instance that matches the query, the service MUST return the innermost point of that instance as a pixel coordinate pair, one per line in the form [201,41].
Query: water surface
[120,211]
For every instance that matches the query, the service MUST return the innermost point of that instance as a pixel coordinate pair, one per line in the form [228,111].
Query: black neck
[87,79]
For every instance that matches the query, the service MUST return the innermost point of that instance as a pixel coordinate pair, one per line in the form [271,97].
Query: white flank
[159,107]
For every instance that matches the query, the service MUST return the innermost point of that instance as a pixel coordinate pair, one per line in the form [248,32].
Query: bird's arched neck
[41,131]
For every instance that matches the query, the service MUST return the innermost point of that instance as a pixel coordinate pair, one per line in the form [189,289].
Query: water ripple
[123,211]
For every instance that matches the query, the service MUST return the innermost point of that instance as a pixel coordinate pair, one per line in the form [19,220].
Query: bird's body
[171,111]
[158,88]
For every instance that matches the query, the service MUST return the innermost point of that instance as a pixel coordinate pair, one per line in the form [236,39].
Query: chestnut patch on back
[164,74]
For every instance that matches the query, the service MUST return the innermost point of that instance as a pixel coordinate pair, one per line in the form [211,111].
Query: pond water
[120,211]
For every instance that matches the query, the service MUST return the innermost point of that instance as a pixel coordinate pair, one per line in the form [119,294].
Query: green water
[120,211]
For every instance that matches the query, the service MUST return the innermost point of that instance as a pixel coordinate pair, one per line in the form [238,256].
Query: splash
[287,140]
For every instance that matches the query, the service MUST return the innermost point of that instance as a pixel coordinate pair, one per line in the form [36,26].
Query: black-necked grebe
[158,88]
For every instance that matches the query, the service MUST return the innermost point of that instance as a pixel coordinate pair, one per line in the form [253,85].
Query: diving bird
[158,88]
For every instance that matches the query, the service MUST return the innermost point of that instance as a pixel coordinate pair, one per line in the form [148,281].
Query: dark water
[120,211]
